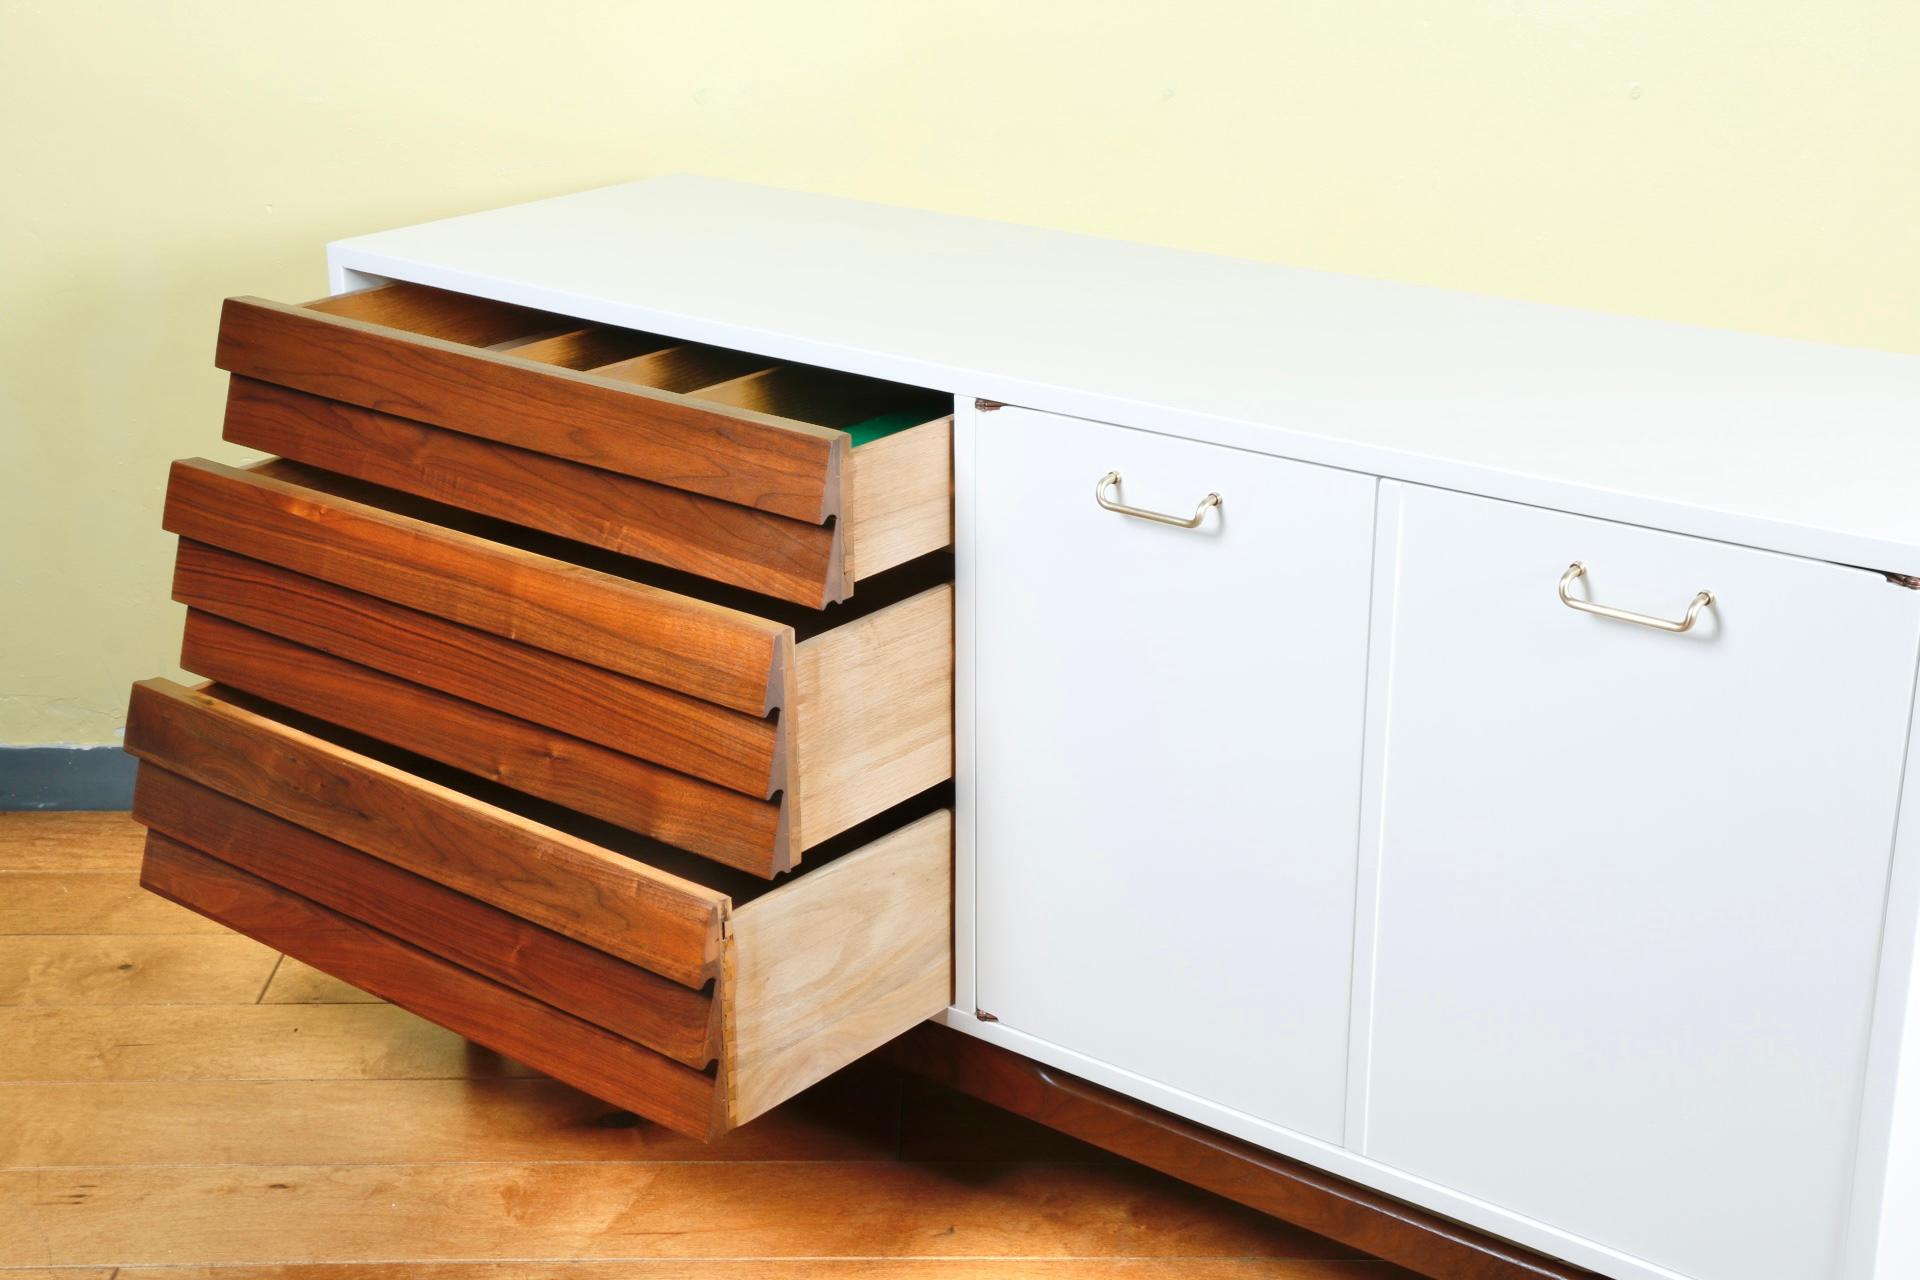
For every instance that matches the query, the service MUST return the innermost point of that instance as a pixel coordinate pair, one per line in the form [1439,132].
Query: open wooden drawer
[722,722]
[788,480]
[690,994]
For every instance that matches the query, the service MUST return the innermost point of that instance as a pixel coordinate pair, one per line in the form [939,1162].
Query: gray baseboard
[65,778]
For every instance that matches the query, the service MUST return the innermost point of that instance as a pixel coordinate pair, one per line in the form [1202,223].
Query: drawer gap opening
[875,593]
[739,886]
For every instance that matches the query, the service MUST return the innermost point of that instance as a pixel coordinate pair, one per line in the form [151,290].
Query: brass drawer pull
[1700,601]
[1111,480]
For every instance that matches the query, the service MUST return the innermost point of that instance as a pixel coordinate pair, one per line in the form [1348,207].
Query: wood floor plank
[237,1042]
[41,902]
[67,969]
[69,842]
[604,1211]
[372,1122]
[297,982]
[803,1269]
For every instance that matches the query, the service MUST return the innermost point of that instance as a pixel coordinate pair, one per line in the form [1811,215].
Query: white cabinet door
[1169,725]
[1632,882]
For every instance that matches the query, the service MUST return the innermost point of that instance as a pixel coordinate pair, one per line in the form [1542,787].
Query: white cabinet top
[1775,443]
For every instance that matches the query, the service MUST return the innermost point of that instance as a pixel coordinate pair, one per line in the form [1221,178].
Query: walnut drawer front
[788,480]
[724,723]
[691,994]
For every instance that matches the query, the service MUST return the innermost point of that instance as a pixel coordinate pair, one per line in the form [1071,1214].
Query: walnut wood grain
[627,1000]
[718,654]
[1287,1189]
[789,559]
[585,892]
[738,830]
[565,1047]
[786,467]
[743,752]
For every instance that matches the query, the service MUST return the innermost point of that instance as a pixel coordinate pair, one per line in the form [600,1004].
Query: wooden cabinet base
[1287,1189]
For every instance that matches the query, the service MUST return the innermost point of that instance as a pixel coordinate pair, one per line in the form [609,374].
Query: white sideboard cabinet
[1629,881]
[1463,746]
[1165,832]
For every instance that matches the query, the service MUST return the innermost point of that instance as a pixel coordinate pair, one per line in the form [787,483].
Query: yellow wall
[1749,163]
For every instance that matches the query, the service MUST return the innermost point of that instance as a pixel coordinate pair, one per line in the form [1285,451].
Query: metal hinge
[1906,580]
[984,1016]
[988,406]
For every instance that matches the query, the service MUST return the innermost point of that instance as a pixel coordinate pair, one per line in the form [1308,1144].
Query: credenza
[685,635]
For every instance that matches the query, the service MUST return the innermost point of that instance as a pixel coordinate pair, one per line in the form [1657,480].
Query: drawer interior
[869,409]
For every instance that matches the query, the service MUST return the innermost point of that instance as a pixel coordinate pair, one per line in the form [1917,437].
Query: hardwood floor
[180,1102]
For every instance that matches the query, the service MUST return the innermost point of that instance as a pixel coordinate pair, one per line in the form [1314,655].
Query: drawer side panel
[837,963]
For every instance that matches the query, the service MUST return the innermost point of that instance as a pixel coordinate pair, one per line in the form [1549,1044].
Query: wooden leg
[1287,1189]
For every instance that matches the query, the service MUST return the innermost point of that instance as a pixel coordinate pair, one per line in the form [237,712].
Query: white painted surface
[1885,1234]
[1168,757]
[1773,443]
[1632,883]
[1366,916]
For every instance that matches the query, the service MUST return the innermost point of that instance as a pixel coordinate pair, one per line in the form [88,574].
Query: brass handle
[1111,480]
[1700,601]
